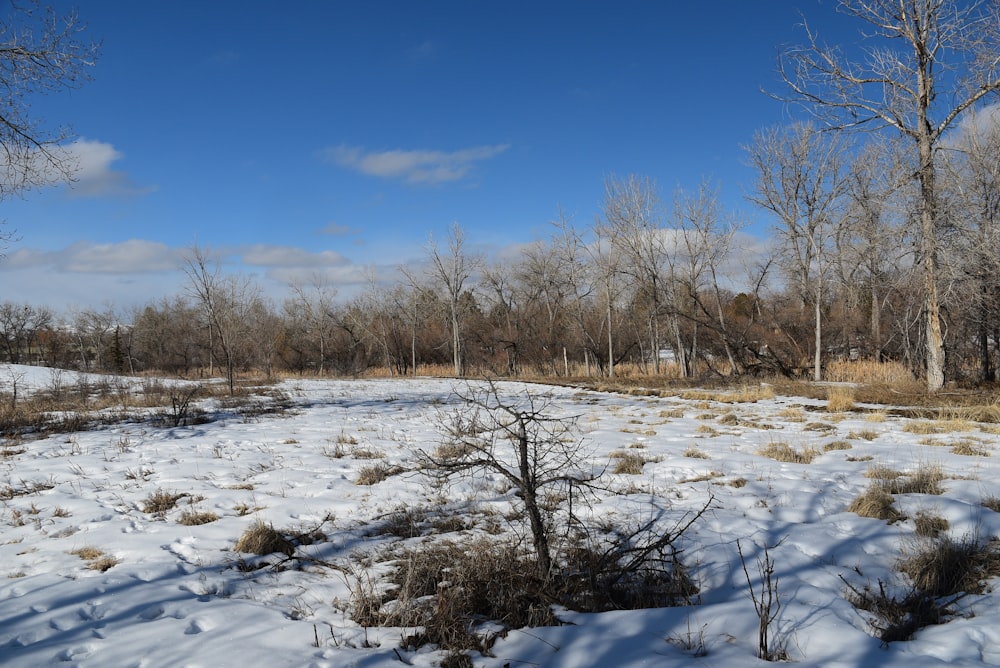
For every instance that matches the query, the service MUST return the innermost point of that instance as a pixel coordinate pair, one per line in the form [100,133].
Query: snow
[177,597]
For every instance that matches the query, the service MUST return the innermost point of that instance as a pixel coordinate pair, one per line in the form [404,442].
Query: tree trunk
[928,230]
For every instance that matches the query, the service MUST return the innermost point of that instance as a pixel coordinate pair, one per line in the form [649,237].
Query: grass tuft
[783,452]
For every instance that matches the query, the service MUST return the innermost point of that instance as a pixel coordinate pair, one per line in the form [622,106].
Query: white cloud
[94,177]
[127,257]
[421,166]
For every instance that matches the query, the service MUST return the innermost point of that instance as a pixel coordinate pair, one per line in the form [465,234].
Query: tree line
[884,209]
[663,287]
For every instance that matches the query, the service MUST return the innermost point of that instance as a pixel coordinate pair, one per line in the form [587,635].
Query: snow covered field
[175,594]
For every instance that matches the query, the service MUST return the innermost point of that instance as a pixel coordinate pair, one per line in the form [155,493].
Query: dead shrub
[939,571]
[448,590]
[783,452]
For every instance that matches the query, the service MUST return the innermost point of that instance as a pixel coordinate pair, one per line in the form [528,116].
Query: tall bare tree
[451,269]
[798,180]
[229,304]
[633,220]
[925,63]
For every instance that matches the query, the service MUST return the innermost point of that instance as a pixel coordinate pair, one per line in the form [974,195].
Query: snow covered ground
[176,595]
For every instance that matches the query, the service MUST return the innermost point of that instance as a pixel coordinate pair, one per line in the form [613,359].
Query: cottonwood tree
[869,241]
[923,64]
[41,51]
[798,179]
[706,237]
[633,223]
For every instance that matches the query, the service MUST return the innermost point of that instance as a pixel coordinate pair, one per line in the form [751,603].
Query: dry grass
[941,426]
[876,503]
[628,463]
[925,480]
[97,560]
[864,435]
[729,419]
[744,395]
[264,539]
[837,445]
[970,447]
[695,453]
[376,473]
[161,501]
[991,502]
[929,525]
[943,566]
[197,517]
[792,414]
[783,452]
[840,399]
[869,372]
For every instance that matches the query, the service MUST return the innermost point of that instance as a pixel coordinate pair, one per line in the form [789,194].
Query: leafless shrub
[939,571]
[766,603]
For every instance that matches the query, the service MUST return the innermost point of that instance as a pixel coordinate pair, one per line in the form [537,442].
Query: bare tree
[870,240]
[19,327]
[41,51]
[453,269]
[798,179]
[522,440]
[228,304]
[633,222]
[975,172]
[927,62]
[312,303]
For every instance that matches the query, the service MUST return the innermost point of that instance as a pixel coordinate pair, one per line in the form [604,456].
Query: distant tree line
[663,288]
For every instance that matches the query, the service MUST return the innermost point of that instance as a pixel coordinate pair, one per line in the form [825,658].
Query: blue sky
[336,136]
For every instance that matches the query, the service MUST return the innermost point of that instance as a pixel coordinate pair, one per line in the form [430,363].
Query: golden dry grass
[263,539]
[876,503]
[837,445]
[197,517]
[783,452]
[869,372]
[840,399]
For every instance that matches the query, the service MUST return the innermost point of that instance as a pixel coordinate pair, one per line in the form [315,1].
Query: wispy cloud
[418,167]
[338,230]
[262,255]
[93,174]
[134,256]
